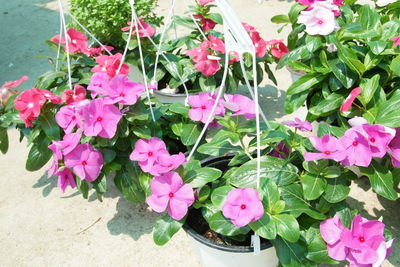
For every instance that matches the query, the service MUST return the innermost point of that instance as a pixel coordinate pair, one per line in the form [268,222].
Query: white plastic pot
[217,255]
[295,75]
[167,97]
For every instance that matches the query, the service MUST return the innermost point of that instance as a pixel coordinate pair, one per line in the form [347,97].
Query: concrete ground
[42,227]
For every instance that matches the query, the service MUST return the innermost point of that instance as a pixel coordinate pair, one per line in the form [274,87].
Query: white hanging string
[90,34]
[66,42]
[59,43]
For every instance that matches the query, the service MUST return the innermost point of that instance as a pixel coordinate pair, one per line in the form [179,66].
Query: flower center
[327,152]
[320,22]
[150,154]
[84,163]
[243,206]
[203,107]
[355,143]
[171,194]
[73,118]
[362,239]
[121,94]
[31,105]
[99,119]
[372,140]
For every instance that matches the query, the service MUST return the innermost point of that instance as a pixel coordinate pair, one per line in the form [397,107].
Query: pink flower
[216,44]
[57,39]
[205,2]
[243,206]
[77,42]
[378,137]
[169,190]
[329,148]
[198,54]
[74,95]
[209,66]
[363,245]
[100,119]
[123,91]
[145,29]
[166,163]
[146,152]
[278,48]
[66,118]
[207,24]
[394,149]
[99,84]
[66,146]
[85,161]
[318,21]
[50,96]
[350,99]
[95,51]
[110,65]
[259,43]
[396,41]
[29,104]
[202,105]
[65,178]
[281,151]
[241,105]
[356,149]
[13,84]
[303,126]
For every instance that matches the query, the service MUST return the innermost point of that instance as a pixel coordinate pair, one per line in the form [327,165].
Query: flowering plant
[198,57]
[349,56]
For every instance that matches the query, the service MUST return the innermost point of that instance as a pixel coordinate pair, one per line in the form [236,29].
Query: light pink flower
[13,84]
[205,2]
[355,148]
[216,44]
[243,206]
[77,42]
[100,119]
[145,29]
[146,153]
[64,147]
[198,54]
[350,99]
[304,126]
[240,105]
[394,149]
[166,163]
[169,190]
[65,178]
[74,95]
[318,21]
[123,91]
[329,148]
[85,161]
[278,48]
[201,106]
[66,118]
[396,41]
[110,65]
[99,84]
[331,232]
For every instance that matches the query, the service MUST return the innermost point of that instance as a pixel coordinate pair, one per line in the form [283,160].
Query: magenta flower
[240,105]
[281,151]
[65,178]
[99,84]
[243,206]
[146,152]
[350,99]
[378,137]
[66,146]
[208,66]
[396,41]
[202,105]
[356,149]
[331,232]
[66,118]
[100,119]
[166,163]
[304,126]
[85,161]
[169,190]
[394,149]
[329,148]
[123,91]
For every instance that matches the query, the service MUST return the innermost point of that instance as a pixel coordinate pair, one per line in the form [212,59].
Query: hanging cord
[257,121]
[90,34]
[211,116]
[252,94]
[66,42]
[59,43]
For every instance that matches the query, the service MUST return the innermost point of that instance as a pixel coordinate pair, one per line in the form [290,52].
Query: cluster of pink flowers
[359,145]
[202,104]
[145,29]
[243,206]
[319,16]
[30,103]
[362,245]
[78,43]
[167,186]
[7,89]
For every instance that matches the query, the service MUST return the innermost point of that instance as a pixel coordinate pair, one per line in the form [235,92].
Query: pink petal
[177,209]
[185,194]
[158,204]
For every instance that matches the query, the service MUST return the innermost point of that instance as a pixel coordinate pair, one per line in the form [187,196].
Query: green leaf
[49,79]
[207,83]
[128,183]
[200,177]
[179,108]
[368,89]
[224,226]
[343,73]
[294,102]
[49,125]
[165,228]
[82,187]
[328,105]
[388,113]
[142,131]
[395,66]
[305,82]
[190,133]
[221,148]
[279,170]
[215,17]
[39,155]
[368,17]
[313,186]
[270,192]
[204,193]
[219,195]
[278,19]
[377,47]
[3,140]
[100,185]
[316,247]
[381,180]
[264,227]
[108,155]
[287,227]
[336,190]
[290,254]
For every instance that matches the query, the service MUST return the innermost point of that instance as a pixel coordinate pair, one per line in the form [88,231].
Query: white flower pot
[166,97]
[295,75]
[217,255]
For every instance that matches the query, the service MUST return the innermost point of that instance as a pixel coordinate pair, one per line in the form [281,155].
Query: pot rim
[235,249]
[158,92]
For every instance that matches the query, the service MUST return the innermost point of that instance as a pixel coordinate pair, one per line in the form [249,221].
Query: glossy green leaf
[305,82]
[217,149]
[190,133]
[287,227]
[313,186]
[165,228]
[328,105]
[388,112]
[3,140]
[368,89]
[224,226]
[218,195]
[200,177]
[264,227]
[337,189]
[290,254]
[49,125]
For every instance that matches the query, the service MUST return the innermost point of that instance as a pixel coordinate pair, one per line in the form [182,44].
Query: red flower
[145,29]
[350,99]
[207,24]
[29,104]
[278,48]
[110,65]
[74,95]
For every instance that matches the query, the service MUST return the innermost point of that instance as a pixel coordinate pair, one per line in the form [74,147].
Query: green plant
[105,18]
